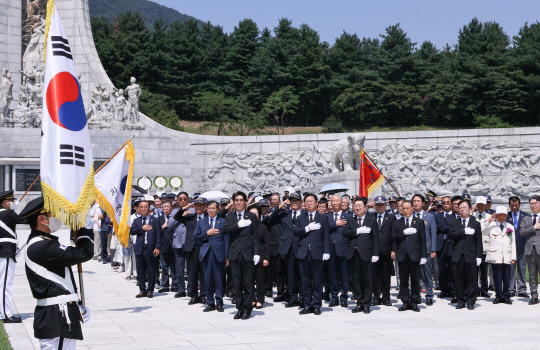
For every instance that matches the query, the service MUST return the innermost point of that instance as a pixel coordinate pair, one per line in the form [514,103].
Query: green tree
[280,104]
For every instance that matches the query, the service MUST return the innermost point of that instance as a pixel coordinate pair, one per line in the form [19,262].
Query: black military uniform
[48,269]
[8,250]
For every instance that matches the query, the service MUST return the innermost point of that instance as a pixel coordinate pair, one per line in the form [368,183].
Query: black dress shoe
[507,301]
[512,293]
[429,302]
[415,308]
[358,308]
[239,315]
[491,287]
[326,296]
[367,310]
[292,303]
[193,300]
[533,301]
[202,300]
[269,293]
[403,308]
[219,308]
[317,311]
[301,304]
[141,295]
[344,303]
[453,301]
[150,294]
[174,290]
[470,307]
[485,294]
[306,311]
[443,295]
[376,302]
[387,303]
[246,316]
[11,320]
[180,295]
[460,306]
[497,301]
[209,308]
[164,290]
[523,295]
[280,298]
[333,303]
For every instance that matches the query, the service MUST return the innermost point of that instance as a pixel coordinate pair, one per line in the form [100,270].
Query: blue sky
[424,20]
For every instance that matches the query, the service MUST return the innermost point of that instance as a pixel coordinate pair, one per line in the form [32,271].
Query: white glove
[256,259]
[423,261]
[325,257]
[244,223]
[469,231]
[410,231]
[313,226]
[374,259]
[362,230]
[478,261]
[85,313]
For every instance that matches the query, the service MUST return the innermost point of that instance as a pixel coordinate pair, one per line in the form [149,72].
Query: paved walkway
[119,321]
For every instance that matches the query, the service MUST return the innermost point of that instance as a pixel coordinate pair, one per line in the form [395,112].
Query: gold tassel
[50,9]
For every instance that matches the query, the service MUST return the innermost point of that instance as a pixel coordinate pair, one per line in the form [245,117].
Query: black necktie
[480,216]
[379,222]
[211,223]
[310,217]
[198,218]
[167,217]
[335,217]
[464,223]
[239,217]
[406,223]
[534,219]
[143,221]
[294,218]
[502,227]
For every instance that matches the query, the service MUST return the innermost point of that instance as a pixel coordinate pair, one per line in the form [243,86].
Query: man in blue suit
[515,217]
[338,275]
[313,248]
[431,243]
[212,255]
[147,248]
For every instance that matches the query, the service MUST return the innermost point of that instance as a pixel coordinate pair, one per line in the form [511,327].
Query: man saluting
[48,269]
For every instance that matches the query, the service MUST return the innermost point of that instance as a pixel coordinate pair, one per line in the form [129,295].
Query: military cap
[392,199]
[225,201]
[488,198]
[380,199]
[164,195]
[466,197]
[199,200]
[171,195]
[34,208]
[196,194]
[7,195]
[295,195]
[430,193]
[263,203]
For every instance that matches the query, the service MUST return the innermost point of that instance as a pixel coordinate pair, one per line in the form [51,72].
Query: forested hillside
[286,76]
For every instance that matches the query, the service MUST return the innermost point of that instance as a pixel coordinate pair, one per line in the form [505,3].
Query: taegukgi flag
[67,173]
[113,190]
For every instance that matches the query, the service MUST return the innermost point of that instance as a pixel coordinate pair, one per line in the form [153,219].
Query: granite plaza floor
[120,321]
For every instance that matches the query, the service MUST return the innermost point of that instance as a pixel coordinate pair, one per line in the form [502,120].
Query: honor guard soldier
[48,269]
[8,250]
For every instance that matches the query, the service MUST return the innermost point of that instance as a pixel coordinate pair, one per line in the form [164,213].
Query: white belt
[10,240]
[61,299]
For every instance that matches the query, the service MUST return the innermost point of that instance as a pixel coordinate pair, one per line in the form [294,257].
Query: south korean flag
[67,174]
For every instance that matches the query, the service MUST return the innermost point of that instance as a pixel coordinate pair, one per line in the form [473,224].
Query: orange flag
[370,177]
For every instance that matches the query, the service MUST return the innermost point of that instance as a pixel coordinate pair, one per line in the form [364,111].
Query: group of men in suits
[319,249]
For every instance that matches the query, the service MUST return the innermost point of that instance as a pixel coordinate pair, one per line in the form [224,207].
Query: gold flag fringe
[50,9]
[72,215]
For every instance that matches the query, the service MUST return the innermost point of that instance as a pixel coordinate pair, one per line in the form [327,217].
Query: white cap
[501,209]
[481,200]
[148,197]
[257,199]
[290,189]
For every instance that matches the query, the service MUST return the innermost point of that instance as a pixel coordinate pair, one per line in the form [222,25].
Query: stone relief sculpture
[134,93]
[346,153]
[7,97]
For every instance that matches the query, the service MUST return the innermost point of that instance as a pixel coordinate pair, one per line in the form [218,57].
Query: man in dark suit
[518,282]
[208,233]
[276,269]
[313,248]
[410,237]
[243,254]
[466,255]
[338,274]
[288,244]
[531,231]
[382,269]
[167,258]
[444,248]
[147,248]
[362,250]
[195,269]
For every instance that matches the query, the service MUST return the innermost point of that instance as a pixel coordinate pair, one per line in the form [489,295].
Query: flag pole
[33,183]
[365,153]
[115,153]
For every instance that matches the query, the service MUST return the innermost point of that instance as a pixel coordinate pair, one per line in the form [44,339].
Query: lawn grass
[4,340]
